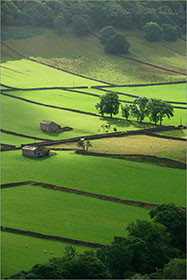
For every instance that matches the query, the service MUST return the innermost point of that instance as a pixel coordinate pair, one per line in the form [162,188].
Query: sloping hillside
[85,55]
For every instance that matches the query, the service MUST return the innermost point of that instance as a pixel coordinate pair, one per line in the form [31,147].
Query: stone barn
[49,126]
[34,151]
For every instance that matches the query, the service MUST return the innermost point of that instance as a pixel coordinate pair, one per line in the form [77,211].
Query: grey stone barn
[34,151]
[49,126]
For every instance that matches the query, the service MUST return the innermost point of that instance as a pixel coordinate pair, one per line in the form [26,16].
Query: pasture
[87,56]
[66,214]
[133,145]
[128,180]
[172,92]
[16,257]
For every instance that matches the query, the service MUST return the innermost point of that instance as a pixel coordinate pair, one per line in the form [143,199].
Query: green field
[16,140]
[25,118]
[133,145]
[176,92]
[16,257]
[67,215]
[24,73]
[88,57]
[127,180]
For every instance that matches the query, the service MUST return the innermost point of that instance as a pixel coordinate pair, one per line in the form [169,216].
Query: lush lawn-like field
[173,92]
[137,144]
[15,140]
[15,256]
[65,214]
[23,73]
[128,180]
[88,57]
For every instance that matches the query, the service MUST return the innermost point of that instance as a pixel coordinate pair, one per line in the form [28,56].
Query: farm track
[91,94]
[51,66]
[51,237]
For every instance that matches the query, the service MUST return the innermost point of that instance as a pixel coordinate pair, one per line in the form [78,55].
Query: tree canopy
[109,104]
[153,32]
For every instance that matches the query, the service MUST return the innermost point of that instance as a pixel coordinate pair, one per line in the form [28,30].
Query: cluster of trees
[114,42]
[86,16]
[151,250]
[155,32]
[142,107]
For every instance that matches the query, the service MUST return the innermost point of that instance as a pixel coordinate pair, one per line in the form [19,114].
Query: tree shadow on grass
[125,123]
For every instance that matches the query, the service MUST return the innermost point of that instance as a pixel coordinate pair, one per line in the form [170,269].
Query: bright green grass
[66,214]
[15,257]
[15,140]
[86,56]
[23,117]
[61,98]
[173,92]
[128,180]
[25,74]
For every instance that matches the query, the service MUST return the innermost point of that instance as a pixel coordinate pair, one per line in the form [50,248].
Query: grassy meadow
[127,180]
[133,145]
[16,257]
[176,92]
[66,214]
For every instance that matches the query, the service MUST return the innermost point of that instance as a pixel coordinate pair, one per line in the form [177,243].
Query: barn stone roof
[46,122]
[30,148]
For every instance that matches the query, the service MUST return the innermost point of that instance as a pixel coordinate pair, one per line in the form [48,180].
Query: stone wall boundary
[79,192]
[165,137]
[143,85]
[170,162]
[152,65]
[52,237]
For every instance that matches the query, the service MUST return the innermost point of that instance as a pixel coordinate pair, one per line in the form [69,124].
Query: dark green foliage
[21,32]
[106,33]
[153,32]
[175,269]
[139,109]
[109,104]
[82,25]
[170,32]
[124,256]
[174,219]
[158,109]
[59,24]
[117,44]
[157,241]
[126,111]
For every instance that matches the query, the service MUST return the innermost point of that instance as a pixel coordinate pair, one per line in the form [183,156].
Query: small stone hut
[49,126]
[34,151]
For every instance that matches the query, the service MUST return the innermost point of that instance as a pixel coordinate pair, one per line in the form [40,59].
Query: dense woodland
[88,16]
